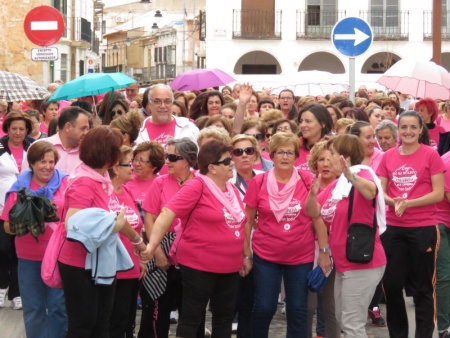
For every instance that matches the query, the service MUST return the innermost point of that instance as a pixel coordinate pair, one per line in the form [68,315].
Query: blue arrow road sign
[352,36]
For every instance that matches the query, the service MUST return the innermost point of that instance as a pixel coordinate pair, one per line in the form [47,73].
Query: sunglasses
[240,151]
[114,112]
[125,165]
[173,158]
[268,135]
[257,136]
[226,161]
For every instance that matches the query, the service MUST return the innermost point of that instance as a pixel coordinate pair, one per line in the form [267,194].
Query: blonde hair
[281,139]
[318,148]
[217,133]
[251,139]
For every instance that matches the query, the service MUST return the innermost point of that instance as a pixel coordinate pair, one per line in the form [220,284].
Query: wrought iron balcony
[317,25]
[428,25]
[256,24]
[387,25]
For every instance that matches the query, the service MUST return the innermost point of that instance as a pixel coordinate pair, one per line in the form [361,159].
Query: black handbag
[360,237]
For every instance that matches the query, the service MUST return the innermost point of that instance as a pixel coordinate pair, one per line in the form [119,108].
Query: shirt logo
[328,211]
[404,178]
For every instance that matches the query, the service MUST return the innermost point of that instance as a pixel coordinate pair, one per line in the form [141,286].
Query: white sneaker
[3,297]
[207,332]
[173,317]
[16,303]
[283,309]
[234,327]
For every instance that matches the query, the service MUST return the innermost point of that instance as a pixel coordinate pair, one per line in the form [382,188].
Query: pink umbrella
[418,78]
[198,79]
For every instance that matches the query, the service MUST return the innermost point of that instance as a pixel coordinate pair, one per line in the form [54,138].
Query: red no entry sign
[44,25]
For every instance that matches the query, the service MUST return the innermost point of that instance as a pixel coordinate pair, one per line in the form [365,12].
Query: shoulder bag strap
[350,209]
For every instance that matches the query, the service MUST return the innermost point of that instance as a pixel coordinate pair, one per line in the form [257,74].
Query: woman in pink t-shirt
[160,288]
[210,242]
[283,242]
[124,309]
[89,305]
[44,311]
[366,134]
[148,160]
[428,111]
[412,177]
[355,283]
[315,123]
[49,111]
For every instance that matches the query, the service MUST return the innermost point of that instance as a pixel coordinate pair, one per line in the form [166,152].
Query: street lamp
[128,42]
[155,27]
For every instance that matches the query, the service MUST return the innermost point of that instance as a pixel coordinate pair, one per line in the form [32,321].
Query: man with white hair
[52,87]
[162,125]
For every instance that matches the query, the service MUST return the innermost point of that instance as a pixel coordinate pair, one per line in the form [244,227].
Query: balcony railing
[256,24]
[388,25]
[428,25]
[317,25]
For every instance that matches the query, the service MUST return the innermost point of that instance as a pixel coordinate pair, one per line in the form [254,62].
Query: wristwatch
[326,250]
[354,178]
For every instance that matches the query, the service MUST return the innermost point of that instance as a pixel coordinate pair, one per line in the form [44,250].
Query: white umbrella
[311,82]
[418,78]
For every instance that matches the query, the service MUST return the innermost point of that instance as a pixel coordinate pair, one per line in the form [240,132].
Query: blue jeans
[267,287]
[44,310]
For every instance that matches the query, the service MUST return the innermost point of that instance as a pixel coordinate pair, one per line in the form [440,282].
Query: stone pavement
[11,324]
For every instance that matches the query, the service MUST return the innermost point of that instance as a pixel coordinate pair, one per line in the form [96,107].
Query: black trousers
[8,264]
[199,287]
[124,309]
[244,305]
[410,252]
[89,306]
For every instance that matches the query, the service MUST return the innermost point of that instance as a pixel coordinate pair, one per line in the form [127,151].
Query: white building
[267,37]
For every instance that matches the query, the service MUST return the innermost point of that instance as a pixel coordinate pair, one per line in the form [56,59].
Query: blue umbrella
[91,84]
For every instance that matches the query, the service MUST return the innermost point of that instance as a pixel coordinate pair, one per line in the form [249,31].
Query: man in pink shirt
[162,126]
[73,125]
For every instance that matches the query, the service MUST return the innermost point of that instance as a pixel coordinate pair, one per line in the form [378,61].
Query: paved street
[11,324]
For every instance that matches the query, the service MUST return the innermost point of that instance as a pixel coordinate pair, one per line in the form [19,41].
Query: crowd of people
[224,201]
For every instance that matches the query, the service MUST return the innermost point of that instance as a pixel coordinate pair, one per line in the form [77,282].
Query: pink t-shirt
[265,155]
[18,154]
[443,122]
[291,241]
[301,162]
[443,207]
[43,128]
[161,133]
[139,188]
[409,176]
[26,246]
[163,189]
[2,119]
[434,135]
[335,217]
[81,194]
[212,240]
[116,202]
[376,158]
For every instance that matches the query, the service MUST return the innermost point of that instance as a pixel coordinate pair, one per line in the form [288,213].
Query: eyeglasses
[226,161]
[288,153]
[285,128]
[240,151]
[125,165]
[159,102]
[173,158]
[139,160]
[268,135]
[257,136]
[114,112]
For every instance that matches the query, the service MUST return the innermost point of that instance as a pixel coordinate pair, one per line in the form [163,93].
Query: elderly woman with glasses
[161,287]
[283,242]
[258,129]
[211,238]
[124,308]
[147,161]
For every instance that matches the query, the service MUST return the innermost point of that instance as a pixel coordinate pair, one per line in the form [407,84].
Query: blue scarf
[24,181]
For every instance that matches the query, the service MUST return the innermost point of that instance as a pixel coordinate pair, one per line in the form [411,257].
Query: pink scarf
[84,170]
[228,198]
[279,200]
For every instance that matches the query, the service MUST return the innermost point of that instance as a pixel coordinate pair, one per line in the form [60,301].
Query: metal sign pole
[351,79]
[45,75]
